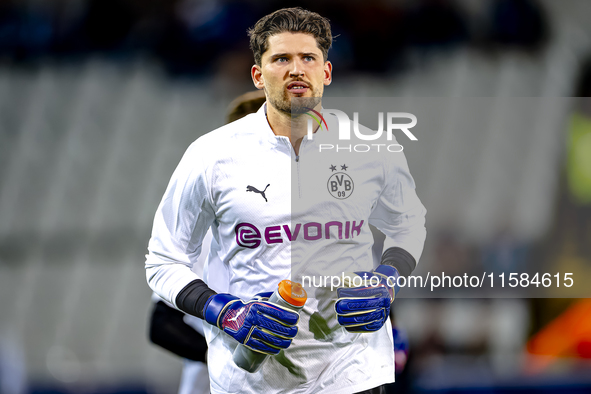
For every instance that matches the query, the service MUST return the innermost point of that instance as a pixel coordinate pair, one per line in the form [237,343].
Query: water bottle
[288,295]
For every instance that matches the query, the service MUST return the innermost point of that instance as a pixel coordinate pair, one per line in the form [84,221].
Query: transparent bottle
[289,295]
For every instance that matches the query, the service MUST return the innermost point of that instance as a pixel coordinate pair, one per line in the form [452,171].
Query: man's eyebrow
[276,55]
[285,54]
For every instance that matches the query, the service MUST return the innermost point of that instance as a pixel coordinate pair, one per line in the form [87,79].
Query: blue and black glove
[257,324]
[366,308]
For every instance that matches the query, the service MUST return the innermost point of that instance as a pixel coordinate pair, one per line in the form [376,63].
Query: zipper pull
[297,159]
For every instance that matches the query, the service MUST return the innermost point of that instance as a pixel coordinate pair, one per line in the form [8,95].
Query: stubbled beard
[294,106]
[281,104]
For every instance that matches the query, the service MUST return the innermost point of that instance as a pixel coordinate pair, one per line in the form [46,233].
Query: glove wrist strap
[215,306]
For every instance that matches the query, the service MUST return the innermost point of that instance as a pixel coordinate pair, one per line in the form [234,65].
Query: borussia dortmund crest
[340,185]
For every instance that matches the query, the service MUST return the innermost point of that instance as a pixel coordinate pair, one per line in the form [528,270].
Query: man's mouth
[298,87]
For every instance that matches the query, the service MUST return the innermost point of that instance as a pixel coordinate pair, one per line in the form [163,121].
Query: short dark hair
[295,20]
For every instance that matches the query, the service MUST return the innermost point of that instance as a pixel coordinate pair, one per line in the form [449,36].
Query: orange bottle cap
[293,293]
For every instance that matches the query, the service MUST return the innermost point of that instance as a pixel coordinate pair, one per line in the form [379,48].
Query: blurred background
[100,98]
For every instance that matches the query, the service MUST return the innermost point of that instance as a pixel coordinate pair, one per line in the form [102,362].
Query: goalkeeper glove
[366,308]
[257,324]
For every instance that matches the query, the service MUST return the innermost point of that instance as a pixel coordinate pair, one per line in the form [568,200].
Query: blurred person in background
[181,333]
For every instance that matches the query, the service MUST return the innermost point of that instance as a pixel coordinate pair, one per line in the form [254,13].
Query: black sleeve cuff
[193,297]
[399,259]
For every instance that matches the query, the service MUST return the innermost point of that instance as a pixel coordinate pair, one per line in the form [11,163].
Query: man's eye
[308,58]
[281,59]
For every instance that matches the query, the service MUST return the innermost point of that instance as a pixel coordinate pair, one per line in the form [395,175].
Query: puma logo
[238,314]
[255,190]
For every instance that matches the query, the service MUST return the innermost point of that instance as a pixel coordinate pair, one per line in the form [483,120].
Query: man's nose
[297,69]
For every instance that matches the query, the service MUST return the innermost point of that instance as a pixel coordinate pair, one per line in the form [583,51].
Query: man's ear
[327,73]
[257,77]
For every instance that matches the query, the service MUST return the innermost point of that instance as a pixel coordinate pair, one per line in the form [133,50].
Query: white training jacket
[276,216]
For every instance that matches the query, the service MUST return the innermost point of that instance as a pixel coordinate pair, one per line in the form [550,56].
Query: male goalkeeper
[260,184]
